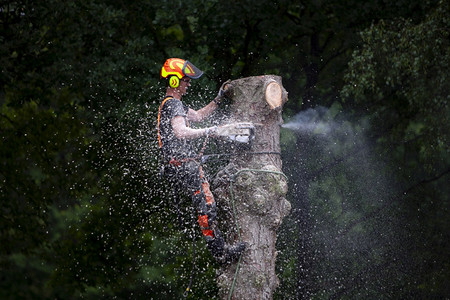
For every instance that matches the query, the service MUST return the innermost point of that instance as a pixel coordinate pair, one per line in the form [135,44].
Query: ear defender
[174,82]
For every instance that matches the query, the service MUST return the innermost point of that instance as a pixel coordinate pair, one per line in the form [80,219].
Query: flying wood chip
[273,95]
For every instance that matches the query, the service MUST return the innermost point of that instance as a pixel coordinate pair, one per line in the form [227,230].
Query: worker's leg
[203,200]
[195,184]
[190,178]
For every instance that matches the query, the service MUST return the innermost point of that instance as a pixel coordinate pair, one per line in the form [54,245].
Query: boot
[225,253]
[233,252]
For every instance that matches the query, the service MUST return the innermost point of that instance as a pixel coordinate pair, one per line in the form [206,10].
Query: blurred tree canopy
[84,213]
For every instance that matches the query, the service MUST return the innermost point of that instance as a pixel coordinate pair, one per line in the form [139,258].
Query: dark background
[84,213]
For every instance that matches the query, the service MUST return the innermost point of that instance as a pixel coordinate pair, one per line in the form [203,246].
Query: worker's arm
[233,131]
[181,131]
[201,114]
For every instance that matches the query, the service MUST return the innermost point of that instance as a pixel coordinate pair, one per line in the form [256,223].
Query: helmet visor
[191,71]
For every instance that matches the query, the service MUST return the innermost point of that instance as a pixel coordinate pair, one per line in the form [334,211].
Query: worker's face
[185,82]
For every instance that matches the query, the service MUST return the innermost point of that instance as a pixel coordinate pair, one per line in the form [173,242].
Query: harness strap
[178,162]
[159,119]
[198,157]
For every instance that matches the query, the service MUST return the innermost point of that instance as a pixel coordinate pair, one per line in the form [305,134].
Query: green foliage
[401,74]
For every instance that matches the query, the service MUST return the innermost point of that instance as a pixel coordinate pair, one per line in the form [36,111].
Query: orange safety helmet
[177,68]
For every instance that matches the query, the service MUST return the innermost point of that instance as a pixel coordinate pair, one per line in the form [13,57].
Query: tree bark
[258,189]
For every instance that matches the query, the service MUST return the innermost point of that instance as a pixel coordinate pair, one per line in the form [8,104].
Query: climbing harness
[178,162]
[198,157]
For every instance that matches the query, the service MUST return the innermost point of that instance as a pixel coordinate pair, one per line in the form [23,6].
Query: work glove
[242,132]
[222,92]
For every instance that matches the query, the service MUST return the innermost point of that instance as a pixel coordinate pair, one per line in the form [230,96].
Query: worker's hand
[211,131]
[241,132]
[224,89]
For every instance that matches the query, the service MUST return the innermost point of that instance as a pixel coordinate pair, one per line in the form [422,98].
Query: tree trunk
[258,189]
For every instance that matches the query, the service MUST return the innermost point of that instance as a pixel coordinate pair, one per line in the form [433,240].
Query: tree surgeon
[180,161]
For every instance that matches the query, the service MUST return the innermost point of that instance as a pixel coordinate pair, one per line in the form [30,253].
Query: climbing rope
[206,157]
[188,289]
[232,179]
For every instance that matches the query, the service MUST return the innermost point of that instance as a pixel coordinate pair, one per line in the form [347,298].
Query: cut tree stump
[258,189]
